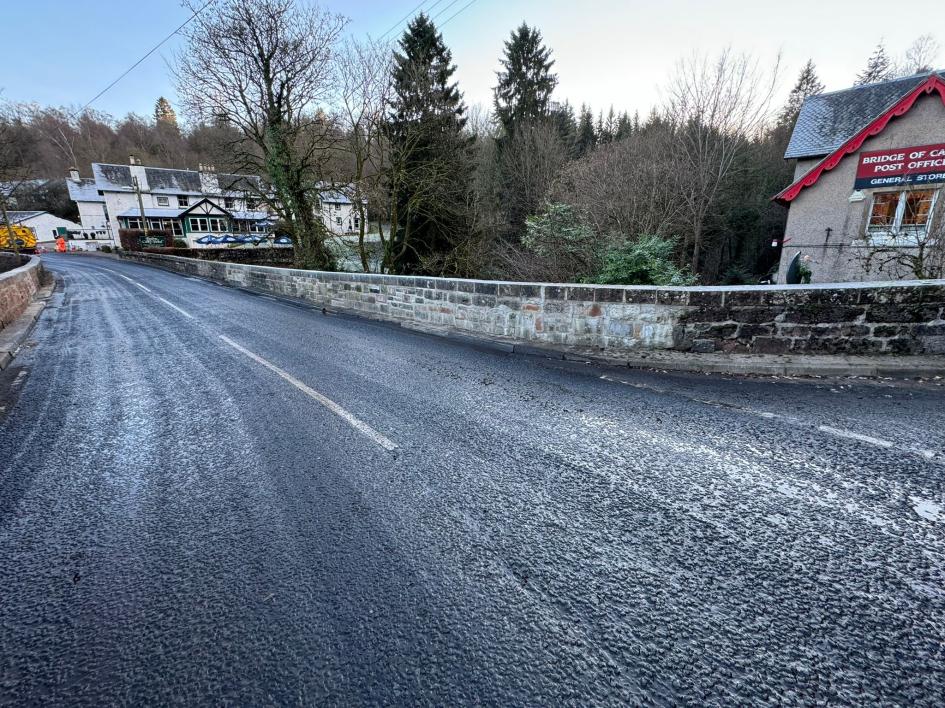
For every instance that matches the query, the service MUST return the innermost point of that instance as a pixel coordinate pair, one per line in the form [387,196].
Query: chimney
[131,160]
[209,184]
[74,174]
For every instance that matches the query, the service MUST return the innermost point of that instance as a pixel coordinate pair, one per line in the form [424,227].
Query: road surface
[209,496]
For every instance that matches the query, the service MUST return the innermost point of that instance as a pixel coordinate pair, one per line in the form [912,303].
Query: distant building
[200,207]
[46,227]
[870,172]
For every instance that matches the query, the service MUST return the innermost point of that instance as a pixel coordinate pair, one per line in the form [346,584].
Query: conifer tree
[808,84]
[430,155]
[878,67]
[586,136]
[526,81]
[164,113]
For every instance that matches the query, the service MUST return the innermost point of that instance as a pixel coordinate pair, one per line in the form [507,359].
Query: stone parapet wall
[21,277]
[900,318]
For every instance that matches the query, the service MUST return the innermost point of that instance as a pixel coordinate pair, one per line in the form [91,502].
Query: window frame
[183,201]
[896,233]
[195,225]
[163,200]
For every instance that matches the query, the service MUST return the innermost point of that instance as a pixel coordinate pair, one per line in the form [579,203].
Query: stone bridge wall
[854,318]
[20,278]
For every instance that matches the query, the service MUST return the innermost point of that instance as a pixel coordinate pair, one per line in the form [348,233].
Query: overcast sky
[608,52]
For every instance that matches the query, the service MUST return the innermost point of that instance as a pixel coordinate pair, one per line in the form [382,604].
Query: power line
[408,16]
[471,2]
[444,10]
[135,65]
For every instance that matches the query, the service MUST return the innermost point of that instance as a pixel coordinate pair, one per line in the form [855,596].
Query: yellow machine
[25,238]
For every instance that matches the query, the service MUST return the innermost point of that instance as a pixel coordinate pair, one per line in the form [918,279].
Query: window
[229,203]
[176,228]
[251,204]
[163,201]
[198,223]
[134,223]
[901,214]
[338,220]
[217,224]
[155,225]
[182,200]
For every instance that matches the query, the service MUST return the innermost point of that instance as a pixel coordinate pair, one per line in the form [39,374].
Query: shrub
[180,243]
[563,239]
[736,275]
[647,260]
[105,249]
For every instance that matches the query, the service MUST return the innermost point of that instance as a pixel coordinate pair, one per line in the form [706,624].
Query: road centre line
[350,419]
[171,304]
[930,455]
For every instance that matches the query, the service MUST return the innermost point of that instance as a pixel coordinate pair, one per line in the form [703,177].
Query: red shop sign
[924,164]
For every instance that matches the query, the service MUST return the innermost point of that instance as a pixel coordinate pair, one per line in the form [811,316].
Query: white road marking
[354,422]
[18,381]
[171,304]
[147,290]
[926,454]
[850,435]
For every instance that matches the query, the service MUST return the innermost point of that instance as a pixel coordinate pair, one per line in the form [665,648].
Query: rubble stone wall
[850,318]
[20,278]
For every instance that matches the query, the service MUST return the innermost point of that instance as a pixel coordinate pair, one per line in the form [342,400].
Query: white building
[201,207]
[46,227]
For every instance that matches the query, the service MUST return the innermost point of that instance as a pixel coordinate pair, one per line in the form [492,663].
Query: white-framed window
[902,215]
[217,224]
[163,201]
[155,225]
[134,223]
[338,220]
[199,224]
[183,200]
[176,227]
[229,203]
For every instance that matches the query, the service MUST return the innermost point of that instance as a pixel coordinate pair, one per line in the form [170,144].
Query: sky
[607,52]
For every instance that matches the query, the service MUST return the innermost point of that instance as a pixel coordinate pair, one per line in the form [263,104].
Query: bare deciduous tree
[268,67]
[14,165]
[914,252]
[716,104]
[365,74]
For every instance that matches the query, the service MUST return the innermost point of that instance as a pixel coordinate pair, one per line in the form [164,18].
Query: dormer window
[163,201]
[183,200]
[229,203]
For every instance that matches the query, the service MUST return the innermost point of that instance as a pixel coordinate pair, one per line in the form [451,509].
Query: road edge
[15,334]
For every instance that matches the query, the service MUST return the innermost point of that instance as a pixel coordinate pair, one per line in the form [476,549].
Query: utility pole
[144,221]
[6,220]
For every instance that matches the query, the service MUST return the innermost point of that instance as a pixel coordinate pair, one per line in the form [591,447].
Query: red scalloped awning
[902,106]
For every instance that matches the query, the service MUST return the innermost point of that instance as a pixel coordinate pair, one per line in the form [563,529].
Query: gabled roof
[929,84]
[828,120]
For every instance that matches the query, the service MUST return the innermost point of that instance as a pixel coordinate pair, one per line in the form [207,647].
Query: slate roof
[152,212]
[160,179]
[828,120]
[17,217]
[84,190]
[163,180]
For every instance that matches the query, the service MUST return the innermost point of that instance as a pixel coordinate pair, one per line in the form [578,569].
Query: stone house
[866,200]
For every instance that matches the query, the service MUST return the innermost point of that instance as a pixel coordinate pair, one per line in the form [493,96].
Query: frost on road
[179,523]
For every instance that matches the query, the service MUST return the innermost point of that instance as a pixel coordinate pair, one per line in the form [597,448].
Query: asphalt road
[212,497]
